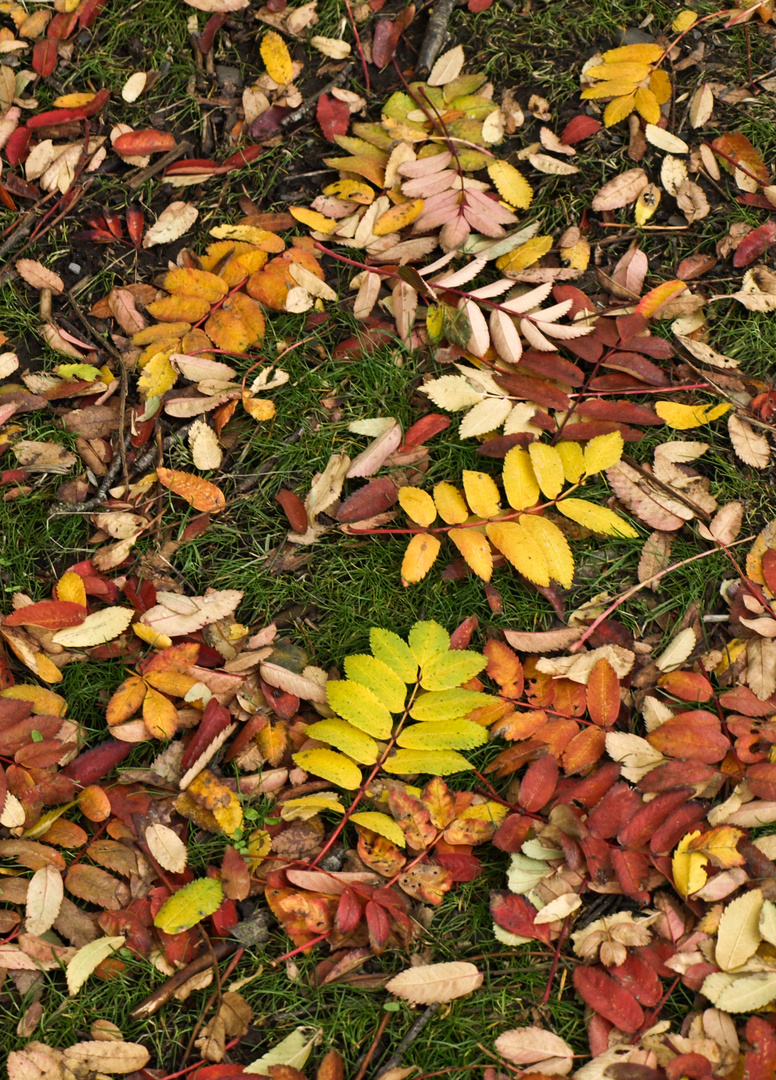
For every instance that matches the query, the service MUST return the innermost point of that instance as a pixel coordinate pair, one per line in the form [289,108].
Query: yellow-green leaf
[380,679]
[476,551]
[432,762]
[481,493]
[87,959]
[360,706]
[419,557]
[449,669]
[356,744]
[511,185]
[548,467]
[417,505]
[518,546]
[277,58]
[450,504]
[520,484]
[334,767]
[684,417]
[84,372]
[444,735]
[158,376]
[426,639]
[395,652]
[573,460]
[189,905]
[447,704]
[597,518]
[602,452]
[380,824]
[555,547]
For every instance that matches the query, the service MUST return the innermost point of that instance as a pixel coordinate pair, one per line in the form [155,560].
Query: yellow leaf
[345,737]
[518,546]
[417,505]
[380,824]
[610,89]
[230,816]
[602,452]
[555,547]
[685,417]
[242,266]
[450,504]
[448,705]
[151,636]
[476,551]
[419,557]
[684,20]
[397,218]
[259,408]
[451,669]
[187,281]
[158,376]
[647,105]
[431,762]
[548,468]
[72,101]
[646,204]
[307,806]
[199,493]
[427,639]
[573,459]
[334,767]
[445,735]
[248,234]
[520,484]
[721,846]
[227,331]
[355,190]
[170,309]
[313,219]
[189,905]
[44,702]
[625,69]
[361,165]
[577,256]
[481,493]
[596,518]
[640,54]
[526,254]
[92,954]
[660,85]
[651,303]
[360,706]
[159,715]
[618,109]
[511,185]
[435,321]
[688,868]
[259,847]
[394,652]
[381,679]
[71,587]
[276,57]
[158,332]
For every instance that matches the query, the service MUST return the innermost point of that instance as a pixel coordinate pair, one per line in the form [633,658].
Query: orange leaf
[172,682]
[160,715]
[655,299]
[201,494]
[583,750]
[419,557]
[250,313]
[187,281]
[179,309]
[126,701]
[94,803]
[603,694]
[228,331]
[505,668]
[272,742]
[149,141]
[259,408]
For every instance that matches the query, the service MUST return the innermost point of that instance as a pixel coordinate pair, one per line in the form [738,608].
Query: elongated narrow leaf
[395,652]
[444,735]
[360,706]
[189,905]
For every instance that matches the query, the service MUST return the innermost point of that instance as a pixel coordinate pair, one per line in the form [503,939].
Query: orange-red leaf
[149,141]
[201,494]
[50,614]
[126,701]
[603,694]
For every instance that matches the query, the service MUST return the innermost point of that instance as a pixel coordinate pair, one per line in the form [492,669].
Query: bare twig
[136,179]
[434,36]
[154,1002]
[396,1058]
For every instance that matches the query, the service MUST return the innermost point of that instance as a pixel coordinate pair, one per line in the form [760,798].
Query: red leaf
[62,25]
[552,366]
[378,924]
[638,830]
[348,912]
[695,266]
[511,833]
[148,141]
[676,774]
[742,700]
[212,26]
[476,6]
[632,869]
[95,764]
[285,705]
[694,736]
[530,389]
[769,568]
[215,721]
[514,913]
[617,807]
[225,917]
[638,977]
[88,12]
[603,694]
[462,635]
[693,1065]
[761,778]
[235,876]
[44,57]
[584,750]
[50,614]
[269,122]
[500,446]
[538,784]
[458,860]
[373,498]
[598,1031]
[687,685]
[293,508]
[386,36]
[16,147]
[760,1061]
[579,128]
[607,997]
[625,412]
[241,158]
[192,166]
[135,224]
[590,789]
[633,363]
[333,116]
[755,244]
[736,151]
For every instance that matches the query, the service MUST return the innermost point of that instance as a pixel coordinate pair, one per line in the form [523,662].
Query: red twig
[359,46]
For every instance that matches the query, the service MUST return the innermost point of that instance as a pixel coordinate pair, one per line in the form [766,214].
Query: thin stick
[374,1044]
[140,177]
[154,1002]
[395,1060]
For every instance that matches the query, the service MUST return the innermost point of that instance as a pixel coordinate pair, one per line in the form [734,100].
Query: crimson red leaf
[378,924]
[632,869]
[667,836]
[530,389]
[135,224]
[269,122]
[676,774]
[462,635]
[755,244]
[212,26]
[761,779]
[386,36]
[191,166]
[44,57]
[475,6]
[373,498]
[215,720]
[348,912]
[633,363]
[538,784]
[617,807]
[514,913]
[579,128]
[333,116]
[607,997]
[147,141]
[426,428]
[62,25]
[640,979]
[285,705]
[293,508]
[95,764]
[638,830]
[760,1061]
[552,366]
[14,734]
[88,12]
[590,789]
[511,833]
[242,157]
[625,411]
[50,614]
[458,861]
[693,1065]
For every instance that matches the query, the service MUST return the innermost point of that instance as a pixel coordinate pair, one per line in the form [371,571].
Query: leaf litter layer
[618,781]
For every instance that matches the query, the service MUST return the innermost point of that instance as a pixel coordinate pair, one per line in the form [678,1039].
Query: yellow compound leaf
[360,706]
[417,505]
[188,309]
[685,417]
[647,105]
[596,518]
[189,905]
[250,312]
[640,54]
[684,20]
[618,109]
[511,185]
[437,706]
[201,494]
[277,58]
[431,762]
[380,824]
[688,868]
[419,557]
[629,70]
[476,551]
[307,806]
[44,702]
[577,256]
[526,254]
[361,165]
[450,504]
[394,652]
[158,376]
[313,219]
[334,767]
[71,587]
[481,493]
[446,735]
[259,408]
[435,321]
[450,669]
[427,639]
[555,547]
[602,452]
[186,281]
[548,467]
[355,190]
[520,484]
[573,460]
[381,679]
[249,234]
[721,846]
[518,546]
[398,217]
[345,737]
[610,89]
[660,85]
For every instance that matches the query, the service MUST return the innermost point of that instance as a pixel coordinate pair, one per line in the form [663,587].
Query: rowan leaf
[44,900]
[597,518]
[481,493]
[167,848]
[189,905]
[96,629]
[381,824]
[430,762]
[511,185]
[427,639]
[447,670]
[738,934]
[334,767]
[450,503]
[87,959]
[394,652]
[417,505]
[553,543]
[685,417]
[602,451]
[520,482]
[443,735]
[276,57]
[375,674]
[476,551]
[431,983]
[518,546]
[447,704]
[419,557]
[342,735]
[548,468]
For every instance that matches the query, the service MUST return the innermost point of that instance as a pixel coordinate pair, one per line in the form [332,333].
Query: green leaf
[525,874]
[189,905]
[84,372]
[450,669]
[427,639]
[448,704]
[379,678]
[443,735]
[346,738]
[336,768]
[432,762]
[395,652]
[360,706]
[382,825]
